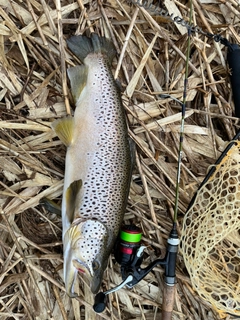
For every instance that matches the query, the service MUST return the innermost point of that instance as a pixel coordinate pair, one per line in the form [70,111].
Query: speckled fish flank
[98,163]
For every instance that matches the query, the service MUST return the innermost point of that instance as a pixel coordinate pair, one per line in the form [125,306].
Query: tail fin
[81,46]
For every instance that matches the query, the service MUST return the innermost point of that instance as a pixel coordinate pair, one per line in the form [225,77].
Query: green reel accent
[130,237]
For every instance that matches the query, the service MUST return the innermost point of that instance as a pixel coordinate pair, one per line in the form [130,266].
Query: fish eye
[95,265]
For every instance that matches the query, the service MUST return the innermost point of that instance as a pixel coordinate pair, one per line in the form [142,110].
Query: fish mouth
[70,278]
[72,268]
[82,267]
[94,277]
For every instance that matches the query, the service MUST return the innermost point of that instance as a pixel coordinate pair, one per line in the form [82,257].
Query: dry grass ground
[34,91]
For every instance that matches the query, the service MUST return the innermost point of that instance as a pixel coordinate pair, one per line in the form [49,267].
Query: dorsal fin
[78,78]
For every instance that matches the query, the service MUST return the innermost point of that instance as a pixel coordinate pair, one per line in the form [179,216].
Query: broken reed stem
[63,57]
[85,15]
[125,44]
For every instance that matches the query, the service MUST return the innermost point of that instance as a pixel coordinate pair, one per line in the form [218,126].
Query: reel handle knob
[100,302]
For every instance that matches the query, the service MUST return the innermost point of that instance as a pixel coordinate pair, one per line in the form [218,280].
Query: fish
[98,163]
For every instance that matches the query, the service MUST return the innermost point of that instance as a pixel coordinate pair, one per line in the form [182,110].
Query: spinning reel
[129,254]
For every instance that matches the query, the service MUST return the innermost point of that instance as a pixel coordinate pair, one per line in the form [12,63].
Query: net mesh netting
[210,240]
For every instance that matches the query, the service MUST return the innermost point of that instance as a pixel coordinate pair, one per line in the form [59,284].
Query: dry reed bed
[34,91]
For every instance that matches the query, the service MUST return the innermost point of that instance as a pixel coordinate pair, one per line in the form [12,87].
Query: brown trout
[97,166]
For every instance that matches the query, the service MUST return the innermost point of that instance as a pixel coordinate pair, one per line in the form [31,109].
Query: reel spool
[126,251]
[128,243]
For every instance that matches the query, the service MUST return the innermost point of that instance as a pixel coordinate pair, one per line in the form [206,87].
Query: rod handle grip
[168,301]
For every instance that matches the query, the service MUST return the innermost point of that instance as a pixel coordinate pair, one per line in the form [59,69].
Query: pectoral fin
[72,197]
[64,129]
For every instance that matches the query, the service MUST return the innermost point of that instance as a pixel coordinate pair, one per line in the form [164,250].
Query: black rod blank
[233,58]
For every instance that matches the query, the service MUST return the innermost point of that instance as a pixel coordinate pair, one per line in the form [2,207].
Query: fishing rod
[128,250]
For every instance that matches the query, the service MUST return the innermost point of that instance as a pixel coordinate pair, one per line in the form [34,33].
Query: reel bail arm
[131,270]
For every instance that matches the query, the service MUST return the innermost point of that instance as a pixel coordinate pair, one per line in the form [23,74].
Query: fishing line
[156,10]
[182,120]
